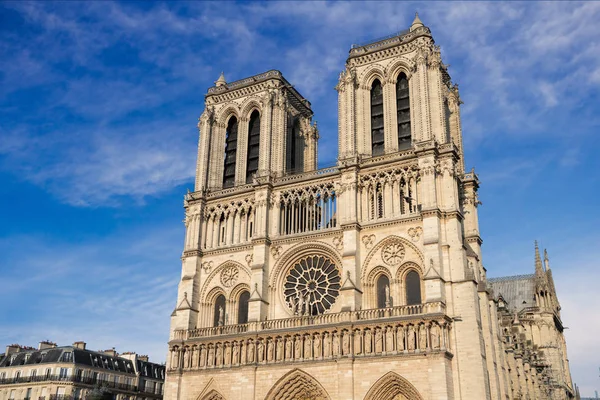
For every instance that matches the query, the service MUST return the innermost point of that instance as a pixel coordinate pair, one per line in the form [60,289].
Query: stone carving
[279,352]
[368,241]
[415,233]
[411,338]
[229,275]
[338,242]
[207,266]
[346,343]
[393,253]
[270,350]
[392,338]
[435,337]
[422,337]
[276,252]
[400,339]
[221,319]
[249,259]
[389,339]
[378,341]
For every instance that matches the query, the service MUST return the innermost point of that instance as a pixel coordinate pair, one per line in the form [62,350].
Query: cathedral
[360,281]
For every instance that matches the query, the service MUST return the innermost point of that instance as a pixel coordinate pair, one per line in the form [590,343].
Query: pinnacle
[417,23]
[538,259]
[221,81]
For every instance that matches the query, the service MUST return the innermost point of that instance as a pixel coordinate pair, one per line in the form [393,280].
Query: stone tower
[361,281]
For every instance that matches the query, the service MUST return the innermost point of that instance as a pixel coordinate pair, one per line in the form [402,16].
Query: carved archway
[392,386]
[297,384]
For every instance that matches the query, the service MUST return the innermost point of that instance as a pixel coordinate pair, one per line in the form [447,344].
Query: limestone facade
[74,372]
[360,281]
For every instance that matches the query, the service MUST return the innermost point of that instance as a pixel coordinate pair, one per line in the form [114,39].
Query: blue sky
[98,109]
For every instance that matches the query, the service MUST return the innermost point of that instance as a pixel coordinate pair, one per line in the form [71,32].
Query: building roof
[73,355]
[518,290]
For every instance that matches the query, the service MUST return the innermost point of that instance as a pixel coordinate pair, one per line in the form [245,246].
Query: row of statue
[321,345]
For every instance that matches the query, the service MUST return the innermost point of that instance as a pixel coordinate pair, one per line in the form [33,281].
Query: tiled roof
[518,290]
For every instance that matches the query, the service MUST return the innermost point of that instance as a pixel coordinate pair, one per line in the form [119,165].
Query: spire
[417,23]
[221,81]
[546,261]
[538,259]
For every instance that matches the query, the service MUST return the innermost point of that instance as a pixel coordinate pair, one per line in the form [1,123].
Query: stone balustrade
[389,331]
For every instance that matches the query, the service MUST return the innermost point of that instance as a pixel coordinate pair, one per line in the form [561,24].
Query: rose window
[312,285]
[229,276]
[393,254]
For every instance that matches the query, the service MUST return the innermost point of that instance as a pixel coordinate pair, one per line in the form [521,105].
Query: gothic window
[403,109]
[383,292]
[219,318]
[243,307]
[413,288]
[312,285]
[253,146]
[295,148]
[230,152]
[377,138]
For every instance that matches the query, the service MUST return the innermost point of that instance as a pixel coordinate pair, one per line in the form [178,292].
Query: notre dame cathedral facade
[360,281]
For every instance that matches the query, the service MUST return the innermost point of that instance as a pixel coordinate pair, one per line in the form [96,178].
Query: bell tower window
[403,109]
[413,288]
[377,138]
[219,316]
[243,307]
[253,146]
[230,152]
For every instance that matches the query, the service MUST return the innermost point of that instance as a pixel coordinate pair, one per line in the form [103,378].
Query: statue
[422,338]
[411,338]
[260,347]
[307,304]
[307,346]
[336,344]
[378,341]
[288,349]
[219,355]
[388,303]
[389,339]
[294,305]
[227,354]
[251,352]
[326,345]
[300,304]
[435,337]
[298,347]
[279,353]
[357,342]
[236,353]
[345,343]
[400,338]
[317,346]
[221,316]
[203,356]
[368,341]
[270,350]
[211,355]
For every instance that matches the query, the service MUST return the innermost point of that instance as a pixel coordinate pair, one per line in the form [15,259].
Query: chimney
[12,348]
[46,344]
[112,352]
[79,345]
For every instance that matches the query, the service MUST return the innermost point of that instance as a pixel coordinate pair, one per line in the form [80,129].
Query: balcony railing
[393,331]
[323,319]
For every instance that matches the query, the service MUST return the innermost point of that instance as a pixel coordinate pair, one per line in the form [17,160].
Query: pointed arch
[211,392]
[392,386]
[297,384]
[388,240]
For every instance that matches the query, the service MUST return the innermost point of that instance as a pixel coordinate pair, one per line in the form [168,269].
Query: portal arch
[297,384]
[393,386]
